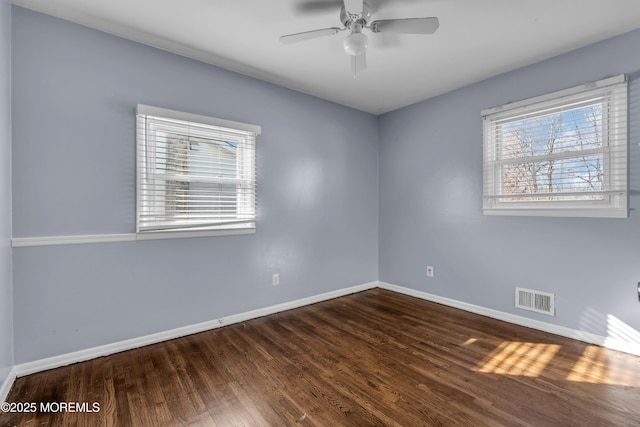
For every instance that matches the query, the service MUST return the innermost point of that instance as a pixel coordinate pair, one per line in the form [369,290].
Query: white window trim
[239,228]
[197,118]
[615,204]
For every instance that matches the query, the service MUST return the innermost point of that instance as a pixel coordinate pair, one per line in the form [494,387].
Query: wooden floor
[372,358]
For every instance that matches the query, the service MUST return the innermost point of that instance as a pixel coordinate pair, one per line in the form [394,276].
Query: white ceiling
[477,39]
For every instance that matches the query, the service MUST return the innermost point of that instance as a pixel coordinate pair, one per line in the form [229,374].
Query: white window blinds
[562,154]
[194,172]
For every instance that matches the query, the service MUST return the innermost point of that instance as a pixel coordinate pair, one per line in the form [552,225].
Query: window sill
[186,234]
[560,213]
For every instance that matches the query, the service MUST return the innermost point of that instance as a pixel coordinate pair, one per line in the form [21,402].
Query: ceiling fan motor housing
[361,18]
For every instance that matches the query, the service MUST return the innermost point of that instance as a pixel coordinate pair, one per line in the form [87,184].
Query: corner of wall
[7,356]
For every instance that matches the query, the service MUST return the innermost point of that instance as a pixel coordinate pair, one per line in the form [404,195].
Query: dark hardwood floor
[372,358]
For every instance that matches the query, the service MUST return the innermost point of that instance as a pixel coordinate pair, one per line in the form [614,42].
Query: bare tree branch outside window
[553,153]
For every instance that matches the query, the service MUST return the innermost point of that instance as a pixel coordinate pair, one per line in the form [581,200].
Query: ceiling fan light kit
[355,15]
[355,44]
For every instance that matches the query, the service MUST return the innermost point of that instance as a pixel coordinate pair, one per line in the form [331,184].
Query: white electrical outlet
[429,271]
[275,279]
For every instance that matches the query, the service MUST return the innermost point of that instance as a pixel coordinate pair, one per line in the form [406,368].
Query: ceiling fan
[355,16]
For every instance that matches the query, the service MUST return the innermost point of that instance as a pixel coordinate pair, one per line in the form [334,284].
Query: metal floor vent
[538,301]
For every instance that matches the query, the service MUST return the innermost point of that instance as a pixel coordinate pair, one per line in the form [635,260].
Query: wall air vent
[540,302]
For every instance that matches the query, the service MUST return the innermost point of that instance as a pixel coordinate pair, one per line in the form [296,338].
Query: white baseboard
[608,342]
[5,387]
[105,350]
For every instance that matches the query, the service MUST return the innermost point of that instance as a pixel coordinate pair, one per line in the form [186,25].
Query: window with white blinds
[194,172]
[562,154]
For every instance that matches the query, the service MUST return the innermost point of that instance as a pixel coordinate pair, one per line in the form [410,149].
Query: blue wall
[6,297]
[431,208]
[75,92]
[321,169]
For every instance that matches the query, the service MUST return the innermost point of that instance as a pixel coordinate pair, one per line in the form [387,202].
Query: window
[194,173]
[562,154]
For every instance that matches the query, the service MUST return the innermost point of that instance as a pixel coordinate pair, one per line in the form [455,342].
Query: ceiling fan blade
[358,64]
[354,7]
[318,6]
[384,5]
[406,26]
[308,35]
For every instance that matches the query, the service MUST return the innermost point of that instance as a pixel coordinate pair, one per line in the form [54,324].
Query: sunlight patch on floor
[519,358]
[598,366]
[469,342]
